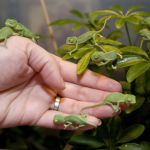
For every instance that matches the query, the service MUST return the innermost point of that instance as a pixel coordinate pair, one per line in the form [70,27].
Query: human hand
[31,78]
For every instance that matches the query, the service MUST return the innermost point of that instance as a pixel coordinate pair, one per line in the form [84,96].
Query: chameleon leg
[104,63]
[83,116]
[15,33]
[99,35]
[112,106]
[114,67]
[74,49]
[21,33]
[119,55]
[80,126]
[94,39]
[33,40]
[67,125]
[118,108]
[5,41]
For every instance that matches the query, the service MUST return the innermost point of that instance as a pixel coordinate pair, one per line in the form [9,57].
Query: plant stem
[141,43]
[49,27]
[133,82]
[128,34]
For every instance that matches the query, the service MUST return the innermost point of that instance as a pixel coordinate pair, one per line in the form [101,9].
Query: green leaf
[130,146]
[104,18]
[116,7]
[104,12]
[108,48]
[114,127]
[107,41]
[138,104]
[66,48]
[128,60]
[136,70]
[55,22]
[83,63]
[65,21]
[147,80]
[78,54]
[102,132]
[148,46]
[91,18]
[133,8]
[139,18]
[140,13]
[85,141]
[77,13]
[81,52]
[132,19]
[131,133]
[140,86]
[77,25]
[115,35]
[134,49]
[120,22]
[95,68]
[145,145]
[125,85]
[62,22]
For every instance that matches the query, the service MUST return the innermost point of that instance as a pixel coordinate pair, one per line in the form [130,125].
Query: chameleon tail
[91,106]
[104,24]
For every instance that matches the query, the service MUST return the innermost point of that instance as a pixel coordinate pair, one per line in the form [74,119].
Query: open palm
[31,78]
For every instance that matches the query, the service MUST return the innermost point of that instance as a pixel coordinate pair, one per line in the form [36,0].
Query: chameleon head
[71,40]
[18,27]
[97,56]
[10,23]
[58,118]
[129,98]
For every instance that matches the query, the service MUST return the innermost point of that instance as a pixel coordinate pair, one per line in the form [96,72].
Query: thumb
[43,62]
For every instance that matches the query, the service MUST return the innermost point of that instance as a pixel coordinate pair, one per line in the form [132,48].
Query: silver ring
[56,104]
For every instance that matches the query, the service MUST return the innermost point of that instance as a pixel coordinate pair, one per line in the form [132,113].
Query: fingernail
[100,122]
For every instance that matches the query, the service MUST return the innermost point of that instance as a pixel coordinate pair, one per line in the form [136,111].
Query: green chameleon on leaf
[101,58]
[84,37]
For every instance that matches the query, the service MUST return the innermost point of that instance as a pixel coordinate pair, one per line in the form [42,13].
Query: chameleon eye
[71,40]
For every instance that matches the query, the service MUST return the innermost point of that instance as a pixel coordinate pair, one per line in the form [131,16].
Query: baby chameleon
[25,32]
[68,120]
[84,37]
[101,58]
[5,33]
[115,98]
[145,33]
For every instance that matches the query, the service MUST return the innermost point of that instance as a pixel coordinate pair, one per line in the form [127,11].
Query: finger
[82,93]
[74,107]
[46,120]
[44,63]
[88,78]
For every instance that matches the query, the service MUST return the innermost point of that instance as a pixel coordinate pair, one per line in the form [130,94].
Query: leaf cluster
[109,136]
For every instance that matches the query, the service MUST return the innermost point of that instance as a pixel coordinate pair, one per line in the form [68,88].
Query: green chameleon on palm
[21,29]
